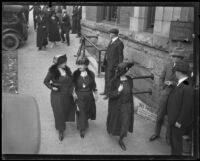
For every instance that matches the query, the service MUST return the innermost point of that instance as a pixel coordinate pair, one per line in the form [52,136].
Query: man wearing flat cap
[167,82]
[180,108]
[113,56]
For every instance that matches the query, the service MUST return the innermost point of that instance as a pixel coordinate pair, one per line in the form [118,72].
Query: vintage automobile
[14,26]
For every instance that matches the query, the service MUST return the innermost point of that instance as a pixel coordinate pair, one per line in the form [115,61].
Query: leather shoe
[154,137]
[105,98]
[121,144]
[82,134]
[61,136]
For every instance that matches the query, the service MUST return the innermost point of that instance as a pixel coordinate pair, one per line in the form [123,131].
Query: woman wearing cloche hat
[120,105]
[59,81]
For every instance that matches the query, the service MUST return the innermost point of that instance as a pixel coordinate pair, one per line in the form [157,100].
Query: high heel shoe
[61,136]
[82,134]
[121,144]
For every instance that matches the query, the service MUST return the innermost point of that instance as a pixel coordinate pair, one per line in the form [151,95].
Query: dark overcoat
[120,117]
[65,24]
[180,108]
[86,102]
[74,20]
[54,34]
[41,31]
[79,17]
[113,56]
[62,101]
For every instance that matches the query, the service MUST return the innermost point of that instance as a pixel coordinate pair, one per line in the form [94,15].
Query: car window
[9,17]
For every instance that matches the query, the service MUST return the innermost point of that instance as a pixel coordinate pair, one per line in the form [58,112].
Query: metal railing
[151,76]
[85,38]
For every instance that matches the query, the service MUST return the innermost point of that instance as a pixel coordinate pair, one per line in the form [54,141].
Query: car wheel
[10,41]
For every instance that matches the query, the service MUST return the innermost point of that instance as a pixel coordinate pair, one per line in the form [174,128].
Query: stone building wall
[149,50]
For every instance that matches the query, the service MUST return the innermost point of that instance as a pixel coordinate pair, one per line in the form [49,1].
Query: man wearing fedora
[168,81]
[180,108]
[113,56]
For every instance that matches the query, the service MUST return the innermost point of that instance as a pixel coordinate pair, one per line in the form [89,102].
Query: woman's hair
[83,61]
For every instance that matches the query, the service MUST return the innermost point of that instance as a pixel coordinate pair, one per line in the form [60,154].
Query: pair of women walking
[77,92]
[71,93]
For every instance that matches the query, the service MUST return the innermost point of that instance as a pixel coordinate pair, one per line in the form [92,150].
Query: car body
[14,26]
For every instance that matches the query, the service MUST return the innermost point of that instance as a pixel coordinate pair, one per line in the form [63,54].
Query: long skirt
[87,109]
[63,109]
[120,120]
[41,37]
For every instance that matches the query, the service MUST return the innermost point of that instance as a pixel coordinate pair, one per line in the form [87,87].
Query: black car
[14,26]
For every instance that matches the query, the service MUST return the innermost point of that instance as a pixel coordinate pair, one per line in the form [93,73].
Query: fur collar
[55,72]
[77,73]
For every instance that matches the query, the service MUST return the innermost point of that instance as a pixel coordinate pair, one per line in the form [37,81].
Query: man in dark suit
[79,17]
[113,56]
[168,81]
[65,27]
[36,12]
[180,108]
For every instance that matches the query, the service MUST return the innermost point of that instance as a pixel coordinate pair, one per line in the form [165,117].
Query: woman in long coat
[74,19]
[120,105]
[85,95]
[41,31]
[54,34]
[65,27]
[59,81]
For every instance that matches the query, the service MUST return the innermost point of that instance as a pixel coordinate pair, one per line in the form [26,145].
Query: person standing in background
[180,109]
[79,17]
[167,83]
[41,31]
[36,12]
[59,13]
[113,56]
[65,27]
[54,34]
[74,20]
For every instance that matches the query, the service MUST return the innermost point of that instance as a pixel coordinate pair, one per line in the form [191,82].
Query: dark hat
[178,51]
[114,31]
[59,59]
[123,67]
[83,61]
[182,67]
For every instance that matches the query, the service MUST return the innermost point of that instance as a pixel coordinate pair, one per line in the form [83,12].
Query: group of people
[177,102]
[53,24]
[76,94]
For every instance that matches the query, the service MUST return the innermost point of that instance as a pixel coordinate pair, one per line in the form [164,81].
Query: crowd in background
[53,24]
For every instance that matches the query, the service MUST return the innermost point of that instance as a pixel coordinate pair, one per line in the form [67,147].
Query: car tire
[10,41]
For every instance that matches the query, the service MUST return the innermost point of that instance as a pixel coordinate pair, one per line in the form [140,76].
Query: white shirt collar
[181,80]
[114,39]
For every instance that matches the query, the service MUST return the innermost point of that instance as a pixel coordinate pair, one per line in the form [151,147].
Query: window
[150,19]
[110,13]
